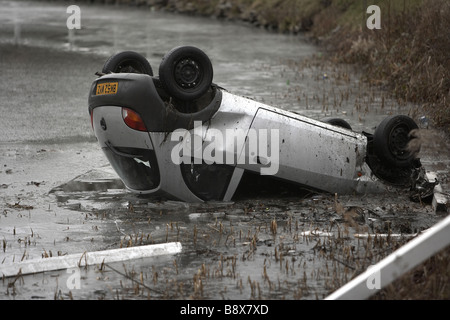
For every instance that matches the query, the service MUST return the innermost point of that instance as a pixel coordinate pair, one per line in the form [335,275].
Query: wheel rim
[398,140]
[187,73]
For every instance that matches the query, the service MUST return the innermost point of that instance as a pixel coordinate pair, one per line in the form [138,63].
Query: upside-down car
[181,135]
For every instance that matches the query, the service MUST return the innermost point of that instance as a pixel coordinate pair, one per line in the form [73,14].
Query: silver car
[181,135]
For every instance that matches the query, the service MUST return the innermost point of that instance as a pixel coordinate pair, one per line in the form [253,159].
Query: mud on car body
[181,135]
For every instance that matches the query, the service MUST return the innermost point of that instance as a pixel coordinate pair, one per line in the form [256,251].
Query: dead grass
[410,56]
[428,281]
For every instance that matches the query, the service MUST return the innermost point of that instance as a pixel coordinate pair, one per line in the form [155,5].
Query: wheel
[186,73]
[391,138]
[127,62]
[338,122]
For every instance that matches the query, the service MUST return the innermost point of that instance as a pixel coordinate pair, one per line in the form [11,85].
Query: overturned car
[180,135]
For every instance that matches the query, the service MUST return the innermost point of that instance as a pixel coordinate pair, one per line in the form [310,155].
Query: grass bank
[409,55]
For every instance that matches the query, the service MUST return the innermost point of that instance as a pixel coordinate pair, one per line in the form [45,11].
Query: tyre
[338,122]
[127,62]
[186,73]
[391,138]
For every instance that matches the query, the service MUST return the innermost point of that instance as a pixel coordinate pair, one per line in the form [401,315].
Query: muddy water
[59,196]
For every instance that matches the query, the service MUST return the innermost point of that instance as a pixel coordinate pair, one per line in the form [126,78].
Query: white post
[399,262]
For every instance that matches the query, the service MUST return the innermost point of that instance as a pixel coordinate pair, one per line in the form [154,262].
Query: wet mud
[59,195]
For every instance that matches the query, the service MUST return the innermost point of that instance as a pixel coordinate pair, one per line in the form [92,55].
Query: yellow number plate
[107,88]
